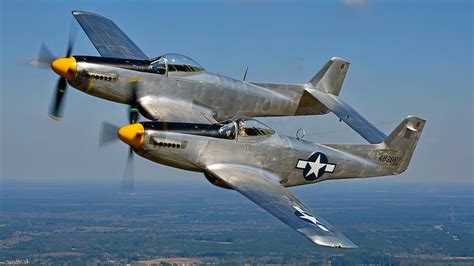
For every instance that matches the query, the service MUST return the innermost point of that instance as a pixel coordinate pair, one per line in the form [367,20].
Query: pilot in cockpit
[241,128]
[229,129]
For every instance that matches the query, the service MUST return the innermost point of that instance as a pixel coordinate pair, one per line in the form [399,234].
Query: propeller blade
[128,182]
[245,74]
[69,51]
[133,114]
[44,59]
[108,134]
[57,105]
[71,40]
[133,109]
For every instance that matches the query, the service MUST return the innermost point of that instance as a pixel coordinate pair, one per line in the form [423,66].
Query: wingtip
[345,245]
[80,12]
[414,117]
[334,241]
[339,59]
[349,246]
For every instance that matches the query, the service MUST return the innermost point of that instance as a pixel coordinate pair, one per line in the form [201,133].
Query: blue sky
[408,58]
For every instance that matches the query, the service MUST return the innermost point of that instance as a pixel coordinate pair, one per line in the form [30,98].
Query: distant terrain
[91,222]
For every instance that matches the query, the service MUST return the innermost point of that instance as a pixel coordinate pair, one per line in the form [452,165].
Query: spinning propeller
[132,134]
[65,67]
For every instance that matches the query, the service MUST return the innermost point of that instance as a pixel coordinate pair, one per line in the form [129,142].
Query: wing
[170,110]
[350,116]
[107,37]
[264,190]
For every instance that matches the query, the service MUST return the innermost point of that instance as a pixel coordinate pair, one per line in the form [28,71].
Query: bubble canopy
[176,63]
[247,127]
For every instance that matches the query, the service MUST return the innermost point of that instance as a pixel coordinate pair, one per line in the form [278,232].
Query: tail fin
[401,143]
[330,78]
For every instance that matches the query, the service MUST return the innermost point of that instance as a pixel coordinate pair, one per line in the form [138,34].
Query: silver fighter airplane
[249,157]
[174,87]
[240,154]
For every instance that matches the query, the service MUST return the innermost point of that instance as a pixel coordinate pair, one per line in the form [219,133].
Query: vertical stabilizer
[401,143]
[331,77]
[389,157]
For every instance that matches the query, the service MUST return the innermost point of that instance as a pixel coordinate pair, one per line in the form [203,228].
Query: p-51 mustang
[249,157]
[240,154]
[173,87]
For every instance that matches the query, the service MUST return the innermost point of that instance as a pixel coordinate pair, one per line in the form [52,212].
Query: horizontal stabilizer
[350,116]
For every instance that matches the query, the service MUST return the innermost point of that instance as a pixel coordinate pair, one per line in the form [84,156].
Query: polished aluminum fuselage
[276,154]
[220,96]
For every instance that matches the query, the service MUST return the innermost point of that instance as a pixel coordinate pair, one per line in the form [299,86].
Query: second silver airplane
[251,158]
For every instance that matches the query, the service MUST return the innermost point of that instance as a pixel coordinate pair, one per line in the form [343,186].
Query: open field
[392,222]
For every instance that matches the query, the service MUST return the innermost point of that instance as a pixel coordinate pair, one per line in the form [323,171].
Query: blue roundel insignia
[315,167]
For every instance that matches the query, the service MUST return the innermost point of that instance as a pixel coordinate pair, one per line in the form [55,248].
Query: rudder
[331,77]
[401,143]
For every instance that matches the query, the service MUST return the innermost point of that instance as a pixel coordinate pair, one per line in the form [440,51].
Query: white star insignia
[310,218]
[315,166]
